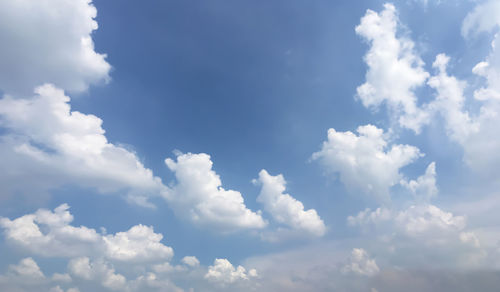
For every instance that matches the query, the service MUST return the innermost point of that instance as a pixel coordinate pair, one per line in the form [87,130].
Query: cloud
[394,69]
[27,268]
[223,272]
[415,221]
[361,263]
[424,188]
[477,133]
[440,238]
[50,234]
[49,41]
[138,243]
[449,101]
[191,261]
[51,146]
[98,270]
[484,17]
[284,208]
[359,158]
[200,197]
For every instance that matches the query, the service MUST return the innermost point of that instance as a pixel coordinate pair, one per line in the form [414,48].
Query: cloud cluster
[134,260]
[50,234]
[395,70]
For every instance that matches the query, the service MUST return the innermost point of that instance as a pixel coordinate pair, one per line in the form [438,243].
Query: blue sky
[242,145]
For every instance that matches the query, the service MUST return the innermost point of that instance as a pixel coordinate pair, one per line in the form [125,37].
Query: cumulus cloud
[394,69]
[191,261]
[284,208]
[49,41]
[440,238]
[359,158]
[50,234]
[200,197]
[223,272]
[138,243]
[27,268]
[360,263]
[424,188]
[98,270]
[414,221]
[51,146]
[449,101]
[477,133]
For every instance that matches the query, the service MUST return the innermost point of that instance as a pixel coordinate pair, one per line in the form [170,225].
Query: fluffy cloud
[199,196]
[284,208]
[415,221]
[50,234]
[191,261]
[424,188]
[394,70]
[50,145]
[49,41]
[360,263]
[99,270]
[359,158]
[27,268]
[476,134]
[440,238]
[449,101]
[138,243]
[223,272]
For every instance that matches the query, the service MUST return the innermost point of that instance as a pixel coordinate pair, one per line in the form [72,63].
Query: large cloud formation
[49,42]
[52,146]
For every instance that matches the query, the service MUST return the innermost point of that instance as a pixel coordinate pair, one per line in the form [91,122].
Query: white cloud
[484,17]
[98,270]
[199,196]
[284,208]
[415,221]
[50,234]
[360,263]
[61,239]
[57,277]
[476,134]
[394,70]
[191,261]
[424,188]
[428,219]
[49,41]
[223,272]
[27,268]
[450,101]
[138,243]
[440,238]
[50,146]
[359,160]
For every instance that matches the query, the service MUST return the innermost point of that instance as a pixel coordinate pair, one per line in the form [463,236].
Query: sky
[249,145]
